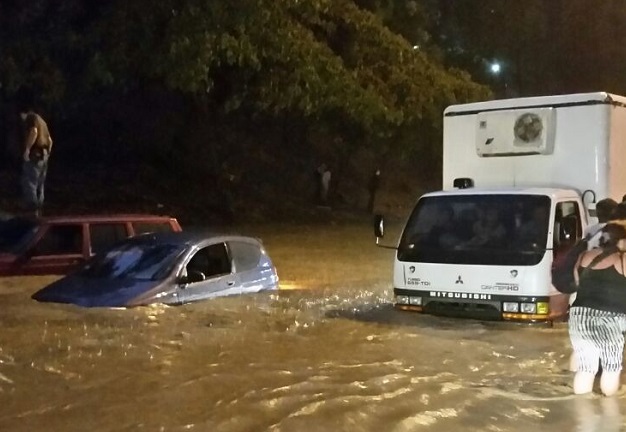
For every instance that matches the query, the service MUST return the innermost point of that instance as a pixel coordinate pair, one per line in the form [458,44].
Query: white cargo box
[571,141]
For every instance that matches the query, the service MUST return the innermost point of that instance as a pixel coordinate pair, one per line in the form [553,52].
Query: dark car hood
[94,292]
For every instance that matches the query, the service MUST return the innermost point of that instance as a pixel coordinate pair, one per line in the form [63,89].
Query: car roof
[189,237]
[114,217]
[88,218]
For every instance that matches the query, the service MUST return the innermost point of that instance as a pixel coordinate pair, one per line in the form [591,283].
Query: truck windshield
[498,229]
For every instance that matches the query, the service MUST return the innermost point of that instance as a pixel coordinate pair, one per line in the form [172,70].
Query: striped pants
[597,337]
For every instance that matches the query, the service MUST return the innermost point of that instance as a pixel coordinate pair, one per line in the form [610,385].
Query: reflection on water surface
[329,354]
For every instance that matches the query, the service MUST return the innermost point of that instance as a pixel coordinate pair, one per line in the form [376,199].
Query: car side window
[105,235]
[245,255]
[15,233]
[151,227]
[61,240]
[211,261]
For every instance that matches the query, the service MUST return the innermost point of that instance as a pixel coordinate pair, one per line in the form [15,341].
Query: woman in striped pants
[597,318]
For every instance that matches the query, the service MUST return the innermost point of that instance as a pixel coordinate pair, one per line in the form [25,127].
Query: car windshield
[497,229]
[134,260]
[15,233]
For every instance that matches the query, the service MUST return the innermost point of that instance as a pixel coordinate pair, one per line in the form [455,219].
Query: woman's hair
[612,233]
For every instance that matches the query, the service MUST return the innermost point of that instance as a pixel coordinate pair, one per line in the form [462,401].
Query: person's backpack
[563,268]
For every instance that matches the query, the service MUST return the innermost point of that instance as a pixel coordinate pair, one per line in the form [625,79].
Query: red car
[57,244]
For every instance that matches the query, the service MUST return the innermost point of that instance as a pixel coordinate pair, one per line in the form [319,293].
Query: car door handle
[231,283]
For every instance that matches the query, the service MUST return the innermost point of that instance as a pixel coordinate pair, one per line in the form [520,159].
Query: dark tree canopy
[272,56]
[286,83]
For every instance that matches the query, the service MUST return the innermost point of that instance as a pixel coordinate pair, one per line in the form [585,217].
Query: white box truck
[520,181]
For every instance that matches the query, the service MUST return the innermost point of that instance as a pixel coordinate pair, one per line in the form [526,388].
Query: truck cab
[520,181]
[484,254]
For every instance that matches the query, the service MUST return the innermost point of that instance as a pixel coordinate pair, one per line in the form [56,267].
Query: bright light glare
[495,68]
[284,286]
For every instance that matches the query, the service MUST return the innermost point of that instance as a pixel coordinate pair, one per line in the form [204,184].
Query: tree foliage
[273,56]
[310,57]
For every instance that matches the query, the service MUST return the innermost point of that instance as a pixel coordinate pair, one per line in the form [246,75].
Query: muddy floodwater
[327,353]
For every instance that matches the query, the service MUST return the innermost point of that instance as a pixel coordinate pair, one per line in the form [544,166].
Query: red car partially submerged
[57,244]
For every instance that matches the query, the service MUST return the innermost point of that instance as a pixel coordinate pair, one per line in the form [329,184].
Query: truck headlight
[529,308]
[510,307]
[402,299]
[415,301]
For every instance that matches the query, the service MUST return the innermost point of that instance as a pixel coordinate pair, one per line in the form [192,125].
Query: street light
[499,83]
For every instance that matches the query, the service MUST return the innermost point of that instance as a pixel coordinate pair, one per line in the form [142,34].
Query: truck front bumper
[477,306]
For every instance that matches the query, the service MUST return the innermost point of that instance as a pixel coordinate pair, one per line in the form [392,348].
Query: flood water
[328,353]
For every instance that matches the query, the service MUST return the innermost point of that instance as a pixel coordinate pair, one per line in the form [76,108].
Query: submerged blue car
[169,267]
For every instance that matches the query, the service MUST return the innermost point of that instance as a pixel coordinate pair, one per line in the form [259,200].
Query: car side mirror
[379,226]
[192,277]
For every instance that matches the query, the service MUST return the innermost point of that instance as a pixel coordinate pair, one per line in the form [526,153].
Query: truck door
[568,227]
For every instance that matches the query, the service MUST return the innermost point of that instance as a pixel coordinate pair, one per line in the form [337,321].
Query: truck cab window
[533,231]
[567,224]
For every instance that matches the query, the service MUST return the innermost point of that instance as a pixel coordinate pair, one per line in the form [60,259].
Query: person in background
[604,210]
[373,186]
[227,188]
[597,318]
[619,212]
[325,185]
[37,146]
[324,175]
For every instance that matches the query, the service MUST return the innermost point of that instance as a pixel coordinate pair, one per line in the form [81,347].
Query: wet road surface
[328,353]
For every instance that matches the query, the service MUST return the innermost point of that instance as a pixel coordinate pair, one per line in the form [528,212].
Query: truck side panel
[617,164]
[579,159]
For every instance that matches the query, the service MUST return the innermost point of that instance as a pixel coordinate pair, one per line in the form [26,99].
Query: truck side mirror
[379,231]
[379,226]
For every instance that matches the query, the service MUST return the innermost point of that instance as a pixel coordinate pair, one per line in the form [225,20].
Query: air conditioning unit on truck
[520,182]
